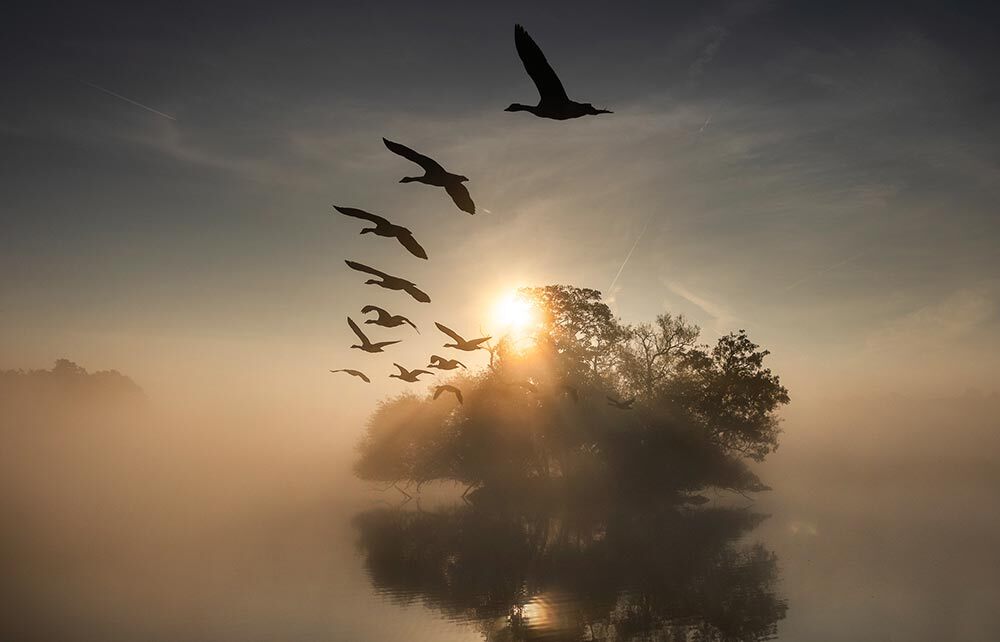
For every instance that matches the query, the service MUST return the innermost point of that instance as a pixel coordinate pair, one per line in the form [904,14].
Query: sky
[824,175]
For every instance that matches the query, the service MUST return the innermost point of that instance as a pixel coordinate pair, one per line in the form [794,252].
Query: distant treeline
[67,388]
[588,403]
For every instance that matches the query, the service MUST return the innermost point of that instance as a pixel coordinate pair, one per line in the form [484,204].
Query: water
[135,534]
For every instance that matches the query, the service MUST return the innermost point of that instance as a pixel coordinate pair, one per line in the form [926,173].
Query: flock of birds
[553,103]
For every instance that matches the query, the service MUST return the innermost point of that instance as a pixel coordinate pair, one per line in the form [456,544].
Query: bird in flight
[384,228]
[390,282]
[385,319]
[460,343]
[355,373]
[435,175]
[621,405]
[449,388]
[553,101]
[444,364]
[410,376]
[366,344]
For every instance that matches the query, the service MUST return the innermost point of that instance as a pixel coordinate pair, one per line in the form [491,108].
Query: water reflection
[670,574]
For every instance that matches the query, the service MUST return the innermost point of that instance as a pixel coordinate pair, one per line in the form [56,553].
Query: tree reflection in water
[668,574]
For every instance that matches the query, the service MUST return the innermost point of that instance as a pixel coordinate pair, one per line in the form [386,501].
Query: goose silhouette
[385,319]
[461,344]
[384,228]
[390,282]
[553,101]
[449,388]
[355,373]
[444,364]
[410,376]
[436,175]
[366,344]
[621,405]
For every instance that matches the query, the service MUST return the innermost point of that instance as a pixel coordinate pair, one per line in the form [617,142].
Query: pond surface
[130,545]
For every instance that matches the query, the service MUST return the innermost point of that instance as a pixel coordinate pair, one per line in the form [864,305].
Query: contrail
[824,270]
[629,255]
[128,100]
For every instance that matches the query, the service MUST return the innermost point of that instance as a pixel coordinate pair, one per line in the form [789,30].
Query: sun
[515,315]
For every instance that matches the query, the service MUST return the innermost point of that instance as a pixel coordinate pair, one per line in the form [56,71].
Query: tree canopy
[540,413]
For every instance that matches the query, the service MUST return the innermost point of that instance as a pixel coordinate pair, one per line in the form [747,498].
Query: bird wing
[460,194]
[429,164]
[541,72]
[354,265]
[451,333]
[356,213]
[354,373]
[417,293]
[412,324]
[438,391]
[460,363]
[436,359]
[458,394]
[357,331]
[406,240]
[382,344]
[374,308]
[403,371]
[417,373]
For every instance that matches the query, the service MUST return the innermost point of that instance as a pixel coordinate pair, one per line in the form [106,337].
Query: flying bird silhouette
[390,282]
[411,376]
[384,228]
[436,175]
[355,373]
[444,364]
[553,101]
[460,343]
[621,405]
[385,319]
[449,388]
[366,344]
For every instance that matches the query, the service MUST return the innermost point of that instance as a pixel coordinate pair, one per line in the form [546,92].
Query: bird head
[593,111]
[367,230]
[407,179]
[462,179]
[518,107]
[372,282]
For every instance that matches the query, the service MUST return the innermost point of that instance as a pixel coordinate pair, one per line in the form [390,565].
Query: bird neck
[520,107]
[409,179]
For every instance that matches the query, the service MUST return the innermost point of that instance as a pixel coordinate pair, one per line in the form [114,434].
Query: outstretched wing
[354,265]
[451,333]
[406,240]
[429,164]
[460,194]
[438,391]
[373,308]
[355,373]
[356,213]
[541,72]
[417,293]
[357,331]
[402,370]
[436,359]
[412,324]
[458,395]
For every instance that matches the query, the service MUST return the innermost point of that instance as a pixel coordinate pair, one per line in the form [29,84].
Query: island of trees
[543,416]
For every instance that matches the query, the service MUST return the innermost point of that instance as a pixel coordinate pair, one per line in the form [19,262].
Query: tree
[537,417]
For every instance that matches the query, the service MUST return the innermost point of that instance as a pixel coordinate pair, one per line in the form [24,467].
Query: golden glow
[515,316]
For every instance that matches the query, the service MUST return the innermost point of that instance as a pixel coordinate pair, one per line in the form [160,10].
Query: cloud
[724,319]
[955,317]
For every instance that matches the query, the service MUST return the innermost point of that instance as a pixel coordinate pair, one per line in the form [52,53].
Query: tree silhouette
[619,574]
[537,417]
